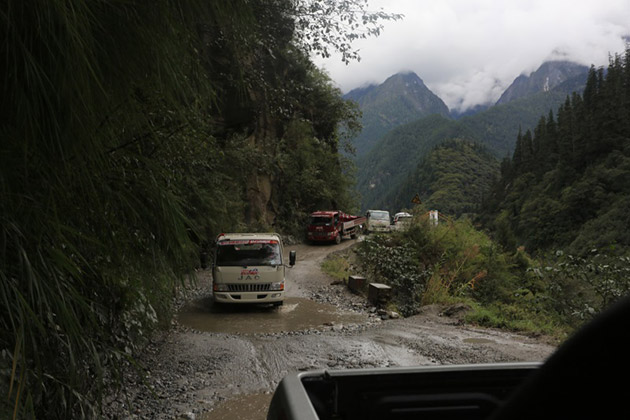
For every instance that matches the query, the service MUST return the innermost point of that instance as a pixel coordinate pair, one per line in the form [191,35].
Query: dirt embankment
[225,363]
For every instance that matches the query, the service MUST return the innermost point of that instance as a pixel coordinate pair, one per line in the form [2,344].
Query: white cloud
[469,51]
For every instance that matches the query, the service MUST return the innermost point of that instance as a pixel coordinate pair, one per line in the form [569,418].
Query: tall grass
[102,105]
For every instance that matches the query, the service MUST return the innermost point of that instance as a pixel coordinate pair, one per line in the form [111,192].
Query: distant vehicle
[377,221]
[249,268]
[332,225]
[401,221]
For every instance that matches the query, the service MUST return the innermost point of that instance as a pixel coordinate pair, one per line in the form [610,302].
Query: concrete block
[379,293]
[356,283]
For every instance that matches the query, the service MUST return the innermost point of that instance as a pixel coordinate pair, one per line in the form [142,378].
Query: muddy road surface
[224,362]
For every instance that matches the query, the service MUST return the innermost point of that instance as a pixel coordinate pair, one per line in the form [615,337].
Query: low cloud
[469,51]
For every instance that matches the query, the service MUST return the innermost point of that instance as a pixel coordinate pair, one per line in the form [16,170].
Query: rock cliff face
[548,76]
[400,99]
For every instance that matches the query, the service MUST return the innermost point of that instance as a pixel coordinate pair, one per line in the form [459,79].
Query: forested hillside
[386,168]
[400,99]
[133,133]
[398,153]
[452,177]
[498,126]
[567,184]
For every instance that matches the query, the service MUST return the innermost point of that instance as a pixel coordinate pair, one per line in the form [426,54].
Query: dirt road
[225,363]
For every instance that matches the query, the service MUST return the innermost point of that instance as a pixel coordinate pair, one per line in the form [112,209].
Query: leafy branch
[322,26]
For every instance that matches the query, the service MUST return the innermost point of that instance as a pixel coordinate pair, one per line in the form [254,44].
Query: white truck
[249,268]
[377,221]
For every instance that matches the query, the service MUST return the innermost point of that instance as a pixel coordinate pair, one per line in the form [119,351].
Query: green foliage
[133,133]
[454,262]
[394,262]
[566,185]
[515,317]
[581,287]
[451,259]
[311,173]
[451,178]
[322,25]
[337,267]
[400,99]
[496,128]
[396,154]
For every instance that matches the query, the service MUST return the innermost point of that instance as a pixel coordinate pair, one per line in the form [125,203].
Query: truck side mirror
[292,258]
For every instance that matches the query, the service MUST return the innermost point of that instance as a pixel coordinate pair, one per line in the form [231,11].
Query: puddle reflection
[295,315]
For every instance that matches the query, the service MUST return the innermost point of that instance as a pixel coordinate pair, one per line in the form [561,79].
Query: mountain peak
[549,75]
[407,76]
[401,98]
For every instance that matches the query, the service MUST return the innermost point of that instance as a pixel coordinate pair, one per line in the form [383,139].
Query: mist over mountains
[403,121]
[548,76]
[400,99]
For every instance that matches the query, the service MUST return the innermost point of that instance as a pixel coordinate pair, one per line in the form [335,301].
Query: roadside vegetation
[132,134]
[554,249]
[455,263]
[567,184]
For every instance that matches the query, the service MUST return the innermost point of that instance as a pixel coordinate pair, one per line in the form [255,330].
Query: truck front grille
[256,287]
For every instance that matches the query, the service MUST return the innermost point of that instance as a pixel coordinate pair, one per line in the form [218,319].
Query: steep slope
[567,185]
[392,158]
[400,99]
[549,75]
[498,126]
[398,153]
[452,177]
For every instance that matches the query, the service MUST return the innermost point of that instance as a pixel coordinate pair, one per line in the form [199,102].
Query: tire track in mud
[214,375]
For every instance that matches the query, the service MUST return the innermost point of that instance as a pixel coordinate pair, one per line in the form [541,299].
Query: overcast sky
[469,51]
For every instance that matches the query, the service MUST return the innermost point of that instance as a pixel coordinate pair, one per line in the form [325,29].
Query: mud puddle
[242,407]
[296,314]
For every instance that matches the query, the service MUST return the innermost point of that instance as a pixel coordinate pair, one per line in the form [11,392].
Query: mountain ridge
[401,98]
[549,75]
[396,154]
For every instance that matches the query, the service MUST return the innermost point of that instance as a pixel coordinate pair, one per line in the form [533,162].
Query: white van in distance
[377,221]
[249,268]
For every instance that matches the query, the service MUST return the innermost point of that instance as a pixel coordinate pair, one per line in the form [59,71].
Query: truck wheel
[353,236]
[338,239]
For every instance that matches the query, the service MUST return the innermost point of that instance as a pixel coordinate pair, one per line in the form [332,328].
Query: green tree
[132,132]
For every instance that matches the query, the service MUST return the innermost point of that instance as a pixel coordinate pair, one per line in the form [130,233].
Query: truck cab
[332,225]
[249,268]
[402,221]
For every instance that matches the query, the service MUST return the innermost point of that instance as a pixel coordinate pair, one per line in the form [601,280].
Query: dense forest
[400,99]
[133,133]
[452,177]
[567,184]
[546,248]
[400,152]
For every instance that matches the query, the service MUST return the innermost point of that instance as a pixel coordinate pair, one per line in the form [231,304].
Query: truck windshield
[248,253]
[321,220]
[379,215]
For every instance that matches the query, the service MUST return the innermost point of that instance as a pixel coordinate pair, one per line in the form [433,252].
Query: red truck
[331,225]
